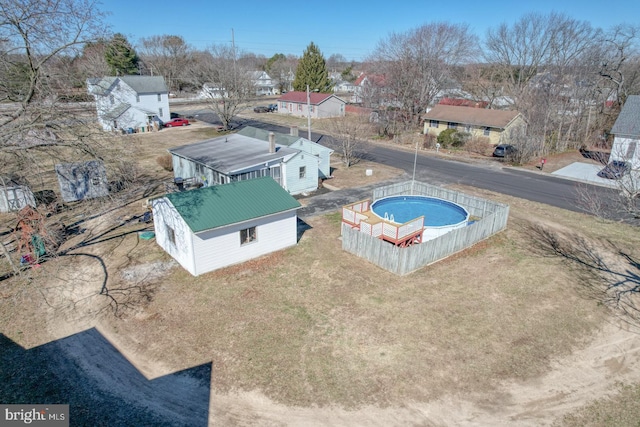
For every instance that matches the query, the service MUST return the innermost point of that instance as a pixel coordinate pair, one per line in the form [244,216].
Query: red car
[176,122]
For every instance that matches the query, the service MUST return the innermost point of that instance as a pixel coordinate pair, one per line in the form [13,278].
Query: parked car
[615,170]
[503,150]
[261,109]
[176,122]
[273,107]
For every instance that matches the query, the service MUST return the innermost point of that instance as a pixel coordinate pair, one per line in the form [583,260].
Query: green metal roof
[212,207]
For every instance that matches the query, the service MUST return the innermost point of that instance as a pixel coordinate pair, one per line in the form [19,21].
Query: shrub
[165,161]
[429,141]
[479,145]
[459,139]
[445,138]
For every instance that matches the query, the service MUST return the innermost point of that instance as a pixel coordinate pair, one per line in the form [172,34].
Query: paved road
[490,175]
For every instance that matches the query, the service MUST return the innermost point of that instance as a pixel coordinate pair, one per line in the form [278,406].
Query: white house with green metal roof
[130,101]
[214,227]
[238,157]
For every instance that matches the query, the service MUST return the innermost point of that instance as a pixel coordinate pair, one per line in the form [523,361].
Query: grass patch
[619,410]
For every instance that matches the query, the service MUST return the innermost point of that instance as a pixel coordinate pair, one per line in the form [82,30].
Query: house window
[452,125]
[433,123]
[630,150]
[247,235]
[160,112]
[159,97]
[487,131]
[171,235]
[303,172]
[311,108]
[137,98]
[299,107]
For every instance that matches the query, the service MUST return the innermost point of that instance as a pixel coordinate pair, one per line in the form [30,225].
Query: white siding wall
[149,102]
[332,107]
[627,150]
[221,247]
[164,214]
[291,172]
[322,153]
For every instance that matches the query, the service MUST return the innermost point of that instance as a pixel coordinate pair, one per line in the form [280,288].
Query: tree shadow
[605,272]
[100,385]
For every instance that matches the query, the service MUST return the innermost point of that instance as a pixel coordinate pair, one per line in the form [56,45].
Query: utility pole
[308,113]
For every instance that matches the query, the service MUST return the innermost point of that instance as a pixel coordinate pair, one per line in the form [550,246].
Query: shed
[14,196]
[214,227]
[82,180]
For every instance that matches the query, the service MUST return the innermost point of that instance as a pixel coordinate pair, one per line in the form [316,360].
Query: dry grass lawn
[313,326]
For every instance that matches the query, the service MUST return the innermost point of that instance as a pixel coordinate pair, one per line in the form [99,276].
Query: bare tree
[417,64]
[168,56]
[225,83]
[282,69]
[542,62]
[349,131]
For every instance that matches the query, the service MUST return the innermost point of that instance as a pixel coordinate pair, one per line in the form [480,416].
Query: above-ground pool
[440,216]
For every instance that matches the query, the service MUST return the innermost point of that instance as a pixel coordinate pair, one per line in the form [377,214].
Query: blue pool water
[437,212]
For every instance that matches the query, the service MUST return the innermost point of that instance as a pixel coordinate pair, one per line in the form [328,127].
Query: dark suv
[503,150]
[615,170]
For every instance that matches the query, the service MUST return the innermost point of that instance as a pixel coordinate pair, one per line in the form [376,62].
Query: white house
[212,91]
[130,102]
[318,105]
[322,153]
[214,227]
[626,131]
[238,157]
[263,83]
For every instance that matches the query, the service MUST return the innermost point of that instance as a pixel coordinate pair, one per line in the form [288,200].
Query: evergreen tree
[312,71]
[121,57]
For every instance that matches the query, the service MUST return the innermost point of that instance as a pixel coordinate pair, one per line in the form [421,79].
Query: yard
[500,334]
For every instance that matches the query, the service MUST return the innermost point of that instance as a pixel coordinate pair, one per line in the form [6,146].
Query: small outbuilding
[14,196]
[214,227]
[82,180]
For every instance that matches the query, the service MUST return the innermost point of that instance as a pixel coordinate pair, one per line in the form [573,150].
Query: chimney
[272,142]
[293,131]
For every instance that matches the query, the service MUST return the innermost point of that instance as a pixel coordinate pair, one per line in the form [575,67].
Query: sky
[352,29]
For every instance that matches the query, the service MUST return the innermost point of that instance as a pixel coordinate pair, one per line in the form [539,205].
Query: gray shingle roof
[628,121]
[145,84]
[232,153]
[263,135]
[140,84]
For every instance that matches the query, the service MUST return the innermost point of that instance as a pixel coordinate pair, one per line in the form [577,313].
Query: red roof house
[317,105]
